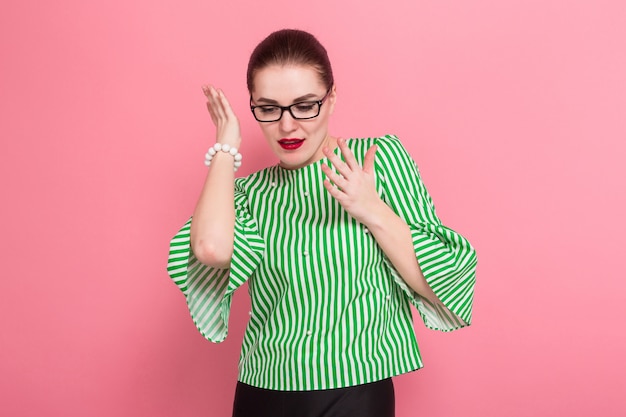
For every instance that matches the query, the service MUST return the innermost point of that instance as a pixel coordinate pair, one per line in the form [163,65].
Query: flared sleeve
[209,290]
[447,259]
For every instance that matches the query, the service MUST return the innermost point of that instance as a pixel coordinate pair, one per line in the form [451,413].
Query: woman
[336,242]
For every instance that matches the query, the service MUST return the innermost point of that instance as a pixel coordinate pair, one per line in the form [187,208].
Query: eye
[305,107]
[268,110]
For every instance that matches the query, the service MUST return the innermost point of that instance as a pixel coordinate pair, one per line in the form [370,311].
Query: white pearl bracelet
[223,148]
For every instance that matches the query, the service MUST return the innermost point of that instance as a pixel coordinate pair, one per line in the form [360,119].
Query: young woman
[336,242]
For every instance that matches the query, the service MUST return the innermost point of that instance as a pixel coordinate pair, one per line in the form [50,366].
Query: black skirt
[376,399]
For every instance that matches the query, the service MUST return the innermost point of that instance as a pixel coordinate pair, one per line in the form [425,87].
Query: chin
[291,164]
[293,161]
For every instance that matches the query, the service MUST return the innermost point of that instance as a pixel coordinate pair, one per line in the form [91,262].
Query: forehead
[284,83]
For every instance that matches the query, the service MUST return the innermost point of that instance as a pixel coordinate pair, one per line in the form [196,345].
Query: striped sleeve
[447,259]
[209,290]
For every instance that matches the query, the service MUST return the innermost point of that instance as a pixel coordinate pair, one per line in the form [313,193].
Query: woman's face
[297,143]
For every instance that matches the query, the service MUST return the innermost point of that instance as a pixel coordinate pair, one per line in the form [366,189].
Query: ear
[332,99]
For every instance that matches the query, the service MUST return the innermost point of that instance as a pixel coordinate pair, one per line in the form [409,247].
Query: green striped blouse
[328,308]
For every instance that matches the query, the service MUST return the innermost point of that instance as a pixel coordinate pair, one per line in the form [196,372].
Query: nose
[287,123]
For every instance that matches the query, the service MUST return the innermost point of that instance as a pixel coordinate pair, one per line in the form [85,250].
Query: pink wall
[514,110]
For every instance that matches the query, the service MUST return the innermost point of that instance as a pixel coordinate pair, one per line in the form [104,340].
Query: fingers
[226,104]
[368,161]
[342,167]
[217,102]
[333,191]
[209,104]
[351,165]
[212,104]
[337,179]
[223,116]
[347,153]
[218,105]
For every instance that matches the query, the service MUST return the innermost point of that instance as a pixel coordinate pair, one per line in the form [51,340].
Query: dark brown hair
[290,47]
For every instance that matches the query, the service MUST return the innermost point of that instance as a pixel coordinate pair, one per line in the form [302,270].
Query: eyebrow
[296,100]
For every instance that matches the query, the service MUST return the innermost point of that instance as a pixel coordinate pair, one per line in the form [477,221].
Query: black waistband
[375,399]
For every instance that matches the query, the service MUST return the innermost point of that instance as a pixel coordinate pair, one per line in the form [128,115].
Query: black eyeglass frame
[288,108]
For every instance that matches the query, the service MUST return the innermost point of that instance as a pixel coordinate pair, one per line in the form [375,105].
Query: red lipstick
[290,144]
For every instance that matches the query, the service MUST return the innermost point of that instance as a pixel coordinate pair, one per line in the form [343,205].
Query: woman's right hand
[223,117]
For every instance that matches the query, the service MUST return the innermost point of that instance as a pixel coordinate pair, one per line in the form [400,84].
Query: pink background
[514,110]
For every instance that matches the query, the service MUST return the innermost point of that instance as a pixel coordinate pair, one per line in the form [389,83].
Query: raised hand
[223,117]
[353,186]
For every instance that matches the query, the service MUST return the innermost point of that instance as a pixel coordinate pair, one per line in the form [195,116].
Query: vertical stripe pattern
[328,308]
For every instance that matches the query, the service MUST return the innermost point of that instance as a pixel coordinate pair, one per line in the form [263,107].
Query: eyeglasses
[299,111]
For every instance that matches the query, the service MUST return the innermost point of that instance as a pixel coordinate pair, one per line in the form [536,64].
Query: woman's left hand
[353,186]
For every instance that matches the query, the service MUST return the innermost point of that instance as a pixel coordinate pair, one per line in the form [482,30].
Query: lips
[290,144]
